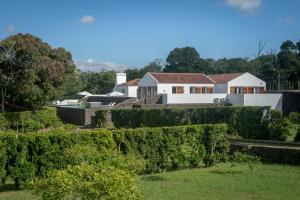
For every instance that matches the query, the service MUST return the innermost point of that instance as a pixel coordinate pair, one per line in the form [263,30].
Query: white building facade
[196,88]
[128,88]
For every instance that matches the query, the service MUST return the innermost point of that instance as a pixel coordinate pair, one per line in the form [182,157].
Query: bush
[239,157]
[248,122]
[101,118]
[278,126]
[30,155]
[169,148]
[3,160]
[87,182]
[29,121]
[297,137]
[294,117]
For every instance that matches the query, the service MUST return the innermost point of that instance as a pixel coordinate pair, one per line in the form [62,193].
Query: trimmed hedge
[25,156]
[270,154]
[169,148]
[248,122]
[28,121]
[30,155]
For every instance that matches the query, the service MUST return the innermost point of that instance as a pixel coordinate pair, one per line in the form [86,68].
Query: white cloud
[286,20]
[10,28]
[248,6]
[94,66]
[87,19]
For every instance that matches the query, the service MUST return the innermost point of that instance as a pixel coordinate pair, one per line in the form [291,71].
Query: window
[206,90]
[255,90]
[195,90]
[177,90]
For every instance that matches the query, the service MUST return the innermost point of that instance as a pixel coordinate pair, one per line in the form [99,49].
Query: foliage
[278,126]
[87,182]
[239,157]
[30,155]
[294,117]
[3,160]
[32,72]
[154,66]
[98,83]
[101,117]
[297,137]
[27,121]
[169,148]
[248,122]
[186,59]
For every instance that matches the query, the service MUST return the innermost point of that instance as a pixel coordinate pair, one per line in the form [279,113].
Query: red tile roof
[224,78]
[134,82]
[192,78]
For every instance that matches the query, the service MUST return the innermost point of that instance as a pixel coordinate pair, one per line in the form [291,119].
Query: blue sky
[134,32]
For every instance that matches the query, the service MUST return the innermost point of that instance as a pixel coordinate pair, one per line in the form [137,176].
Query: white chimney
[121,78]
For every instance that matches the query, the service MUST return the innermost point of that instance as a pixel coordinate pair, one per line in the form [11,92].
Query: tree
[37,71]
[182,60]
[7,72]
[99,83]
[154,66]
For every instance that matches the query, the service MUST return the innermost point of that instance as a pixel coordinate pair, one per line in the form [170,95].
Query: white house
[197,88]
[128,88]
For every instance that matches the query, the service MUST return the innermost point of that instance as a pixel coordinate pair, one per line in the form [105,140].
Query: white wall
[120,78]
[273,100]
[246,79]
[236,99]
[163,88]
[147,80]
[130,91]
[220,88]
[191,98]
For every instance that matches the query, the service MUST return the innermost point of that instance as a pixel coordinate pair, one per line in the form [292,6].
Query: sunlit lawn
[219,182]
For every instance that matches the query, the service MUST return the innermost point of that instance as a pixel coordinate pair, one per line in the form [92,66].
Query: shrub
[278,126]
[87,182]
[169,148]
[30,155]
[3,160]
[294,117]
[248,122]
[101,118]
[28,121]
[239,157]
[297,137]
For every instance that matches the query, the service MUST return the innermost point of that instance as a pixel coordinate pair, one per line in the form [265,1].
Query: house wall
[273,100]
[191,98]
[163,88]
[129,91]
[220,88]
[244,80]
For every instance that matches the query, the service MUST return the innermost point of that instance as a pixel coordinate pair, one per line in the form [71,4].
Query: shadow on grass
[218,171]
[8,187]
[152,178]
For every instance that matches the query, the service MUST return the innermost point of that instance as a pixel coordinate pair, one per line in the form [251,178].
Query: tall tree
[39,71]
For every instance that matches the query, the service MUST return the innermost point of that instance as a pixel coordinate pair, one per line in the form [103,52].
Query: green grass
[218,182]
[223,182]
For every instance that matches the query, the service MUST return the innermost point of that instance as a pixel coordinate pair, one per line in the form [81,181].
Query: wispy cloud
[248,6]
[10,28]
[286,19]
[87,19]
[94,66]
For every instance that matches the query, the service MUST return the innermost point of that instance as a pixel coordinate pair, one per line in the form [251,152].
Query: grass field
[219,182]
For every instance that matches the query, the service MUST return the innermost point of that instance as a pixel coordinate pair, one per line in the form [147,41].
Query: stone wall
[77,116]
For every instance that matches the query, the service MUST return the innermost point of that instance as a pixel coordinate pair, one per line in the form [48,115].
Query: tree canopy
[32,72]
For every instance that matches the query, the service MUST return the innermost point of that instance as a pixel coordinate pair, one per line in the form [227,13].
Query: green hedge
[178,147]
[27,121]
[30,155]
[25,156]
[248,122]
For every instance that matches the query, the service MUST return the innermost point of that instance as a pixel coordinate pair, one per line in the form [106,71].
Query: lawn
[219,182]
[223,182]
